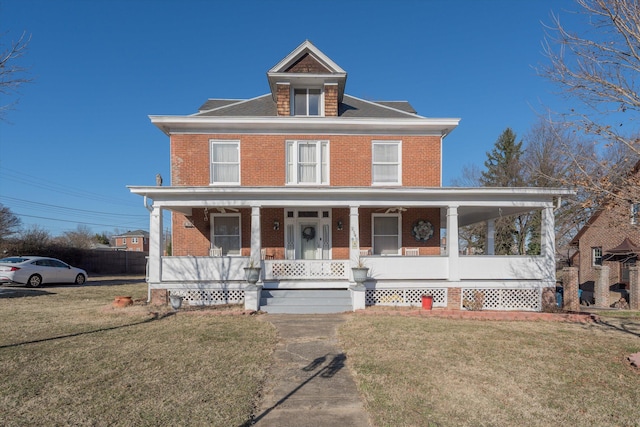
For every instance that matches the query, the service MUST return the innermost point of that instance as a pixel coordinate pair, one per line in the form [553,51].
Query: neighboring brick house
[610,237]
[137,241]
[307,181]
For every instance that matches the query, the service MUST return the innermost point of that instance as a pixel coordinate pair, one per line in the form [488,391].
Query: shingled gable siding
[307,64]
[331,100]
[262,159]
[283,102]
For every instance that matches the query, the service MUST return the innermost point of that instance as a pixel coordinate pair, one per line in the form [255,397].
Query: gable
[307,64]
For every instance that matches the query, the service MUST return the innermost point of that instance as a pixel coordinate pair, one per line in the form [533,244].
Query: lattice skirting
[502,299]
[210,296]
[406,297]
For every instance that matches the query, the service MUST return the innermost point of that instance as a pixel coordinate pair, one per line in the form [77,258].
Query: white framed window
[225,233]
[134,240]
[124,240]
[307,102]
[308,162]
[225,162]
[596,256]
[386,234]
[386,157]
[635,213]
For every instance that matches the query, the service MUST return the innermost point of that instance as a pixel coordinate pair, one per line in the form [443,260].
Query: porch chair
[411,251]
[215,251]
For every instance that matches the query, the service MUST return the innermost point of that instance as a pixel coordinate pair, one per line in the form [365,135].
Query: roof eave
[316,125]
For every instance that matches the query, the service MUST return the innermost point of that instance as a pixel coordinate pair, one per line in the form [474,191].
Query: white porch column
[155,246]
[548,243]
[354,235]
[453,250]
[256,242]
[491,237]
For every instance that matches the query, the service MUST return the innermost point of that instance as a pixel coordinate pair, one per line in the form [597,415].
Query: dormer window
[307,102]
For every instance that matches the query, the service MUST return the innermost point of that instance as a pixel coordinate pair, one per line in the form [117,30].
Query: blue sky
[80,133]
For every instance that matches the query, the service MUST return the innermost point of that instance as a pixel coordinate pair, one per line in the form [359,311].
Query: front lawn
[68,358]
[431,371]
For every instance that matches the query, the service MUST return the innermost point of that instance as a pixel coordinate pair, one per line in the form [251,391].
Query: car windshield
[13,260]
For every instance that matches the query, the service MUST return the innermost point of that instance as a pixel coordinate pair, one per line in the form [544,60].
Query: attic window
[307,102]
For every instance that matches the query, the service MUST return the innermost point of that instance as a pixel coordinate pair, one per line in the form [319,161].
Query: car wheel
[80,279]
[34,281]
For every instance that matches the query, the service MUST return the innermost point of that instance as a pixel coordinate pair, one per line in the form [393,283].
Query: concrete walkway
[309,383]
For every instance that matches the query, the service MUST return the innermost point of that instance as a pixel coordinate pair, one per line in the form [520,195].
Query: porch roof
[474,204]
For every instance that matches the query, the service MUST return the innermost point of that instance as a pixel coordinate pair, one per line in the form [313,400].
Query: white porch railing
[306,269]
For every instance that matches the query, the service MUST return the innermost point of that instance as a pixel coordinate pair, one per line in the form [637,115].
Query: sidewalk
[309,383]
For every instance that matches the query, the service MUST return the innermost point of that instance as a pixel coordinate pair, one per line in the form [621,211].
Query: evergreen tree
[503,165]
[504,169]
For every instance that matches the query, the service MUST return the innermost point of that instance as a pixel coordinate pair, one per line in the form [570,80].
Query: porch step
[305,301]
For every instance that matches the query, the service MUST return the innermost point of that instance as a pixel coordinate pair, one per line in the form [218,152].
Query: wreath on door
[308,233]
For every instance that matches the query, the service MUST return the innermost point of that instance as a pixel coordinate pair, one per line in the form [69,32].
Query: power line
[27,203]
[67,220]
[33,181]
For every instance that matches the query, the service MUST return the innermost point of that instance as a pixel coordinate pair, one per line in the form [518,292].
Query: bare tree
[9,222]
[81,238]
[12,75]
[598,70]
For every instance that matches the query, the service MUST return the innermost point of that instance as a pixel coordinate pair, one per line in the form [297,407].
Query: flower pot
[252,274]
[121,301]
[176,301]
[360,274]
[427,302]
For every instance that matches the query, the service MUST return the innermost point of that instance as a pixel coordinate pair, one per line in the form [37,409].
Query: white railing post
[155,245]
[453,245]
[256,240]
[354,235]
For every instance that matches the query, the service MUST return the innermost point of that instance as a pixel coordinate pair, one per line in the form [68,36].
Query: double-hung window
[386,162]
[225,233]
[596,256]
[386,234]
[225,162]
[307,162]
[307,102]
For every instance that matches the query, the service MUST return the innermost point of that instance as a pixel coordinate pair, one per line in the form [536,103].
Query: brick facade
[263,159]
[606,230]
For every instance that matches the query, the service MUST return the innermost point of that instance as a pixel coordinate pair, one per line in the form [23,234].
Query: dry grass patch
[68,358]
[431,371]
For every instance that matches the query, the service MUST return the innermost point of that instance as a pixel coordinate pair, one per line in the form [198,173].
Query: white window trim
[295,180]
[635,213]
[292,101]
[213,217]
[213,142]
[593,256]
[399,218]
[399,163]
[134,240]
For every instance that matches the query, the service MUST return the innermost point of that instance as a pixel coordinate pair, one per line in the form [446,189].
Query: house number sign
[422,230]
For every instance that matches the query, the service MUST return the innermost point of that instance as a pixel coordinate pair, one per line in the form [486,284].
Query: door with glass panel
[308,240]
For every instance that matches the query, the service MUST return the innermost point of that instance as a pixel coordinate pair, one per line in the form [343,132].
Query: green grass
[68,358]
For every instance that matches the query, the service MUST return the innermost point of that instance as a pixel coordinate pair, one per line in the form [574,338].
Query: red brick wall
[263,159]
[607,231]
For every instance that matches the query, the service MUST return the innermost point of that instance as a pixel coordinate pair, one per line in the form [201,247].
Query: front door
[308,240]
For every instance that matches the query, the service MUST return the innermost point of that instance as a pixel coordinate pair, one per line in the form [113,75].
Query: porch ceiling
[474,204]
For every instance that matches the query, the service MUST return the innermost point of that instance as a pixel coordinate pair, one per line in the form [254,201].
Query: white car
[34,271]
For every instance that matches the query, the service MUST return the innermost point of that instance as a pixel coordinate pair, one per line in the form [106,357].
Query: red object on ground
[122,301]
[427,302]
